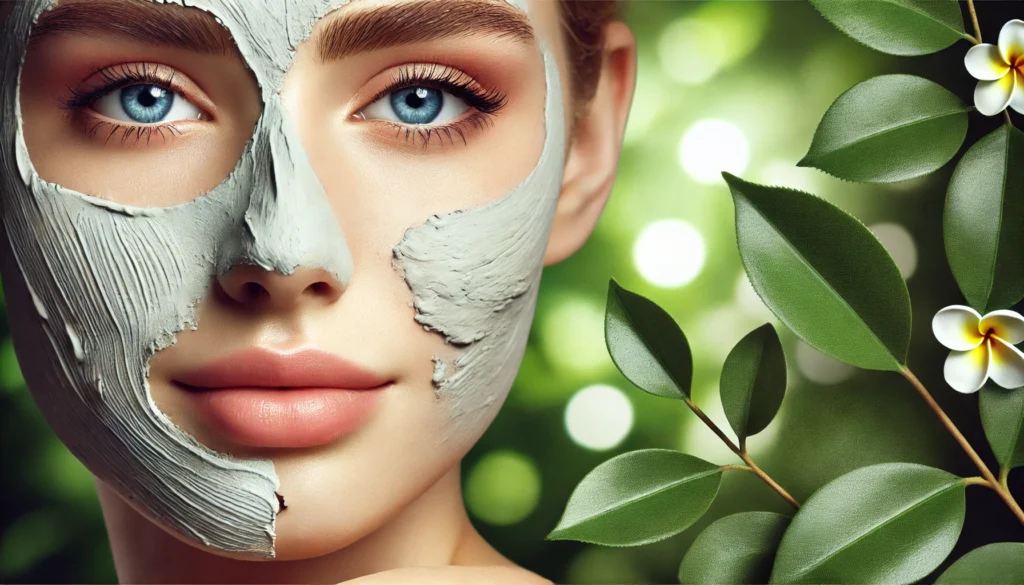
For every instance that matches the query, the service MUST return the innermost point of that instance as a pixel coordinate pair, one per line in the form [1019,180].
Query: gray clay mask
[112,285]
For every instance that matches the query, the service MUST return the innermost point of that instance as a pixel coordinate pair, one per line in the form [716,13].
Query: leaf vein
[866,533]
[822,279]
[926,15]
[999,221]
[878,134]
[615,507]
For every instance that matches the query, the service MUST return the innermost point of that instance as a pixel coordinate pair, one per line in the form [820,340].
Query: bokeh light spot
[696,47]
[572,336]
[596,565]
[900,245]
[30,539]
[717,331]
[503,488]
[58,474]
[647,103]
[10,372]
[669,253]
[691,51]
[711,147]
[820,368]
[599,417]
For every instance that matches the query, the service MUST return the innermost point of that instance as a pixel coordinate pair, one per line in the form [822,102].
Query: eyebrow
[351,31]
[138,21]
[358,31]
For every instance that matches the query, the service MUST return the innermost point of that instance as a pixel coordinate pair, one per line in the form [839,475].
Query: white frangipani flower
[1000,69]
[983,347]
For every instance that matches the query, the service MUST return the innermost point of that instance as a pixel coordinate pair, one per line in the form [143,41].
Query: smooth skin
[383,505]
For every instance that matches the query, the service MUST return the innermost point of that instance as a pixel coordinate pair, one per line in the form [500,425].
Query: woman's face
[240,275]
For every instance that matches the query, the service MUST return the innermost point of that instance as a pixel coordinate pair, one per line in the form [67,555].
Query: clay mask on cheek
[474,276]
[112,284]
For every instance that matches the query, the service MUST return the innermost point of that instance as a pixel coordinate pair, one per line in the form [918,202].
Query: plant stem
[741,453]
[974,20]
[768,480]
[959,437]
[733,467]
[1004,473]
[976,481]
[711,425]
[1009,122]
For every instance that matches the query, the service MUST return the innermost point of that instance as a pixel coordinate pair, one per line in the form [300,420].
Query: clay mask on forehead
[112,285]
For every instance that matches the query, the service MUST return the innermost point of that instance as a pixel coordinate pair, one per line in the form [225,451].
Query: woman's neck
[433,530]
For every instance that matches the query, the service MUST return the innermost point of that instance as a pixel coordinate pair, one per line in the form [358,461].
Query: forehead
[267,32]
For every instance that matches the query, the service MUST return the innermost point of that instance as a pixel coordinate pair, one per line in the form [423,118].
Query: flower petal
[967,371]
[1011,41]
[1006,364]
[985,62]
[956,327]
[992,97]
[1017,99]
[1004,324]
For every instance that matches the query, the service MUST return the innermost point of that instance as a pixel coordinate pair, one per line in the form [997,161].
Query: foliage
[814,265]
[646,344]
[1000,563]
[897,27]
[736,549]
[639,497]
[893,522]
[754,381]
[832,283]
[887,129]
[1002,417]
[983,214]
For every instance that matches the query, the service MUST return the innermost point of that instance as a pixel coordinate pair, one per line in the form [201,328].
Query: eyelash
[485,103]
[112,79]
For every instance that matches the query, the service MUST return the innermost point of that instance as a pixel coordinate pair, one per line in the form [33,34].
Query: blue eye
[146,103]
[416,105]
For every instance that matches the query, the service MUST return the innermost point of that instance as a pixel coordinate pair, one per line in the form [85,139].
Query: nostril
[253,291]
[319,288]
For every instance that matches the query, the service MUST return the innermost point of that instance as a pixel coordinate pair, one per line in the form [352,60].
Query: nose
[254,287]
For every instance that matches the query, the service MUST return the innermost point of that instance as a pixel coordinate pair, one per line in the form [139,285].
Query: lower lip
[285,417]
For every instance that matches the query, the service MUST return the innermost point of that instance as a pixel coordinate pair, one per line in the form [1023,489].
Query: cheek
[380,187]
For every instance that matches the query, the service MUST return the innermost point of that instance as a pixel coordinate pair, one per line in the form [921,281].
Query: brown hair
[583,23]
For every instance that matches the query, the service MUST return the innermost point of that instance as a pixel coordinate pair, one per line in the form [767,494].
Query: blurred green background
[723,85]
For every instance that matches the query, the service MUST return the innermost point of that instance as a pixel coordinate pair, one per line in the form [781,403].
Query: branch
[959,437]
[974,20]
[741,452]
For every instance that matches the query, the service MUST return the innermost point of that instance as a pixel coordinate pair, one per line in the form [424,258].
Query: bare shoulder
[453,576]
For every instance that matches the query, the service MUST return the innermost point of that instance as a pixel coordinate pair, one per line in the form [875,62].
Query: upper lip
[264,368]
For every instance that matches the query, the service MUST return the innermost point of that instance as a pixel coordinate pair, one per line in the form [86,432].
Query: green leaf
[888,523]
[736,549]
[753,381]
[1000,563]
[638,498]
[823,274]
[983,218]
[897,27]
[1002,417]
[646,344]
[889,128]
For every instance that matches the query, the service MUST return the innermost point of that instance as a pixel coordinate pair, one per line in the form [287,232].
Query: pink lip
[263,398]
